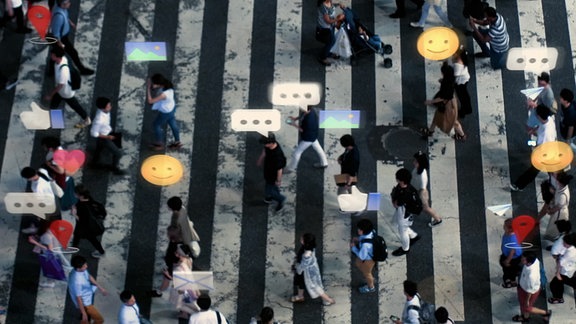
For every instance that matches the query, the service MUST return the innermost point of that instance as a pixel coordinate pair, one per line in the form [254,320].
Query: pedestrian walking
[308,127]
[461,77]
[207,315]
[47,243]
[402,196]
[60,27]
[565,270]
[529,289]
[441,316]
[567,116]
[63,89]
[420,182]
[160,94]
[272,160]
[436,4]
[266,317]
[87,209]
[130,311]
[170,258]
[40,184]
[106,138]
[410,314]
[510,257]
[307,272]
[363,249]
[349,163]
[82,287]
[558,207]
[564,227]
[185,226]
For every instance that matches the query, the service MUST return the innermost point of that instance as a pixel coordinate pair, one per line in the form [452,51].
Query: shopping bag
[51,266]
[342,45]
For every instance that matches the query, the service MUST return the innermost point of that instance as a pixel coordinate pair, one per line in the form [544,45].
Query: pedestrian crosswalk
[224,55]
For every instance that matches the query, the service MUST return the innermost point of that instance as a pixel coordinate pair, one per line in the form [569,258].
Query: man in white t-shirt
[410,314]
[39,183]
[63,89]
[105,137]
[206,315]
[129,311]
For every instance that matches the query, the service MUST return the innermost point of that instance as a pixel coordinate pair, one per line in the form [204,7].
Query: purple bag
[51,266]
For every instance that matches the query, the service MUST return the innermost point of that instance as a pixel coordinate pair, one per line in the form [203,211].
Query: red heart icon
[71,161]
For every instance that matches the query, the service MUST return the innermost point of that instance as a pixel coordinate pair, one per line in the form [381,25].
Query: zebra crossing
[223,56]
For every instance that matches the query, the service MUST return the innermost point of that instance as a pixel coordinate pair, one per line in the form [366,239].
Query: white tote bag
[342,45]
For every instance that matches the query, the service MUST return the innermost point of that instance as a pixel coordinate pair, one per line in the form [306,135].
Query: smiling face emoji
[162,170]
[552,156]
[437,43]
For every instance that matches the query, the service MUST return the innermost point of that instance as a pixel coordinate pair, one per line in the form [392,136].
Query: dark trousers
[557,286]
[19,13]
[527,177]
[72,52]
[464,98]
[510,272]
[299,280]
[102,144]
[91,238]
[401,5]
[72,102]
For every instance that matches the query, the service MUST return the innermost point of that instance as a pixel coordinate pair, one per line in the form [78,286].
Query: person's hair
[60,2]
[174,203]
[508,223]
[347,140]
[564,178]
[51,142]
[462,54]
[271,138]
[563,226]
[404,175]
[530,256]
[410,288]
[543,112]
[159,79]
[422,160]
[569,239]
[102,102]
[447,73]
[173,233]
[43,227]
[365,225]
[204,302]
[77,261]
[58,51]
[490,12]
[319,3]
[81,190]
[28,172]
[266,314]
[567,95]
[441,315]
[126,295]
[309,244]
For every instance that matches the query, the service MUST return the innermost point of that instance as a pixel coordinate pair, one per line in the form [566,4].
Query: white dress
[312,278]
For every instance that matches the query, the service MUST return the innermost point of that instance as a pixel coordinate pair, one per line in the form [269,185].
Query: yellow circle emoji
[162,170]
[438,43]
[552,156]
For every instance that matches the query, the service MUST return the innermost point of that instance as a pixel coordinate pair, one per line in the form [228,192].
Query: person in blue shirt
[60,26]
[364,252]
[567,115]
[308,125]
[82,286]
[510,258]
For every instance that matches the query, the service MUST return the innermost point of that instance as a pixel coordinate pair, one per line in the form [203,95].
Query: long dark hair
[422,160]
[319,3]
[462,54]
[309,244]
[159,79]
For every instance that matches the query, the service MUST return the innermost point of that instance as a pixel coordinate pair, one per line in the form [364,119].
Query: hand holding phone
[394,318]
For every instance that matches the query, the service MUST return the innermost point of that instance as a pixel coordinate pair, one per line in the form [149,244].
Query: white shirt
[62,76]
[409,314]
[419,181]
[546,132]
[167,104]
[530,277]
[558,247]
[129,314]
[207,317]
[101,124]
[42,186]
[461,73]
[568,262]
[16,3]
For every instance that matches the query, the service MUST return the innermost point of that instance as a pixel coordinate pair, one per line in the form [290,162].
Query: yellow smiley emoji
[438,43]
[162,170]
[552,156]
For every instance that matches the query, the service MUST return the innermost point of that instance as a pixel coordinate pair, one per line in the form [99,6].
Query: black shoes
[86,71]
[415,239]
[399,252]
[397,14]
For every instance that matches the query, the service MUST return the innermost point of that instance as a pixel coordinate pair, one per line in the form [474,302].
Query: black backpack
[413,201]
[425,311]
[97,210]
[379,247]
[75,77]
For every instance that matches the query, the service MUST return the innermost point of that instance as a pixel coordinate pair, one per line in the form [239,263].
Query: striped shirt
[499,35]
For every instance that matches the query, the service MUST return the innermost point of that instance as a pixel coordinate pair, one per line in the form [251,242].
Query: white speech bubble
[536,59]
[295,94]
[30,203]
[256,120]
[38,118]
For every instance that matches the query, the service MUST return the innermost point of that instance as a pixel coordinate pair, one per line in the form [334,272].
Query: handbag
[342,45]
[51,266]
[342,179]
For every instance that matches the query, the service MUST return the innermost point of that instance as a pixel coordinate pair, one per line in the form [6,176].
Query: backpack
[97,210]
[425,311]
[379,247]
[75,79]
[411,200]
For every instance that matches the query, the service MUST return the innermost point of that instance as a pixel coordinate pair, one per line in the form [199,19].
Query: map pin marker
[522,226]
[39,16]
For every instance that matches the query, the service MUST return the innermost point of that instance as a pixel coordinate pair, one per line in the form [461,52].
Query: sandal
[459,137]
[175,145]
[546,318]
[426,132]
[520,319]
[297,299]
[553,300]
[509,284]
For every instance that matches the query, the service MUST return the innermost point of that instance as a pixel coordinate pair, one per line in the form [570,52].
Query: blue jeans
[497,59]
[273,192]
[160,122]
[439,12]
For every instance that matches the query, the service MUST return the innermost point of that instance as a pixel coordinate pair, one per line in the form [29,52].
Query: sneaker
[30,230]
[47,284]
[97,255]
[11,84]
[175,145]
[397,14]
[514,188]
[86,122]
[268,200]
[434,223]
[365,289]
[155,293]
[320,166]
[415,239]
[399,252]
[416,24]
[280,205]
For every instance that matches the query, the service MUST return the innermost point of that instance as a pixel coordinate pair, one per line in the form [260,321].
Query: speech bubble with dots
[536,59]
[30,203]
[295,94]
[256,120]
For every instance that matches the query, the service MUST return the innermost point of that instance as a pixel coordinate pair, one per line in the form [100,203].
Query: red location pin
[62,230]
[522,226]
[39,16]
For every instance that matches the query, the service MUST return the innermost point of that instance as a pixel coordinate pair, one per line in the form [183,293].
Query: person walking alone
[308,125]
[160,94]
